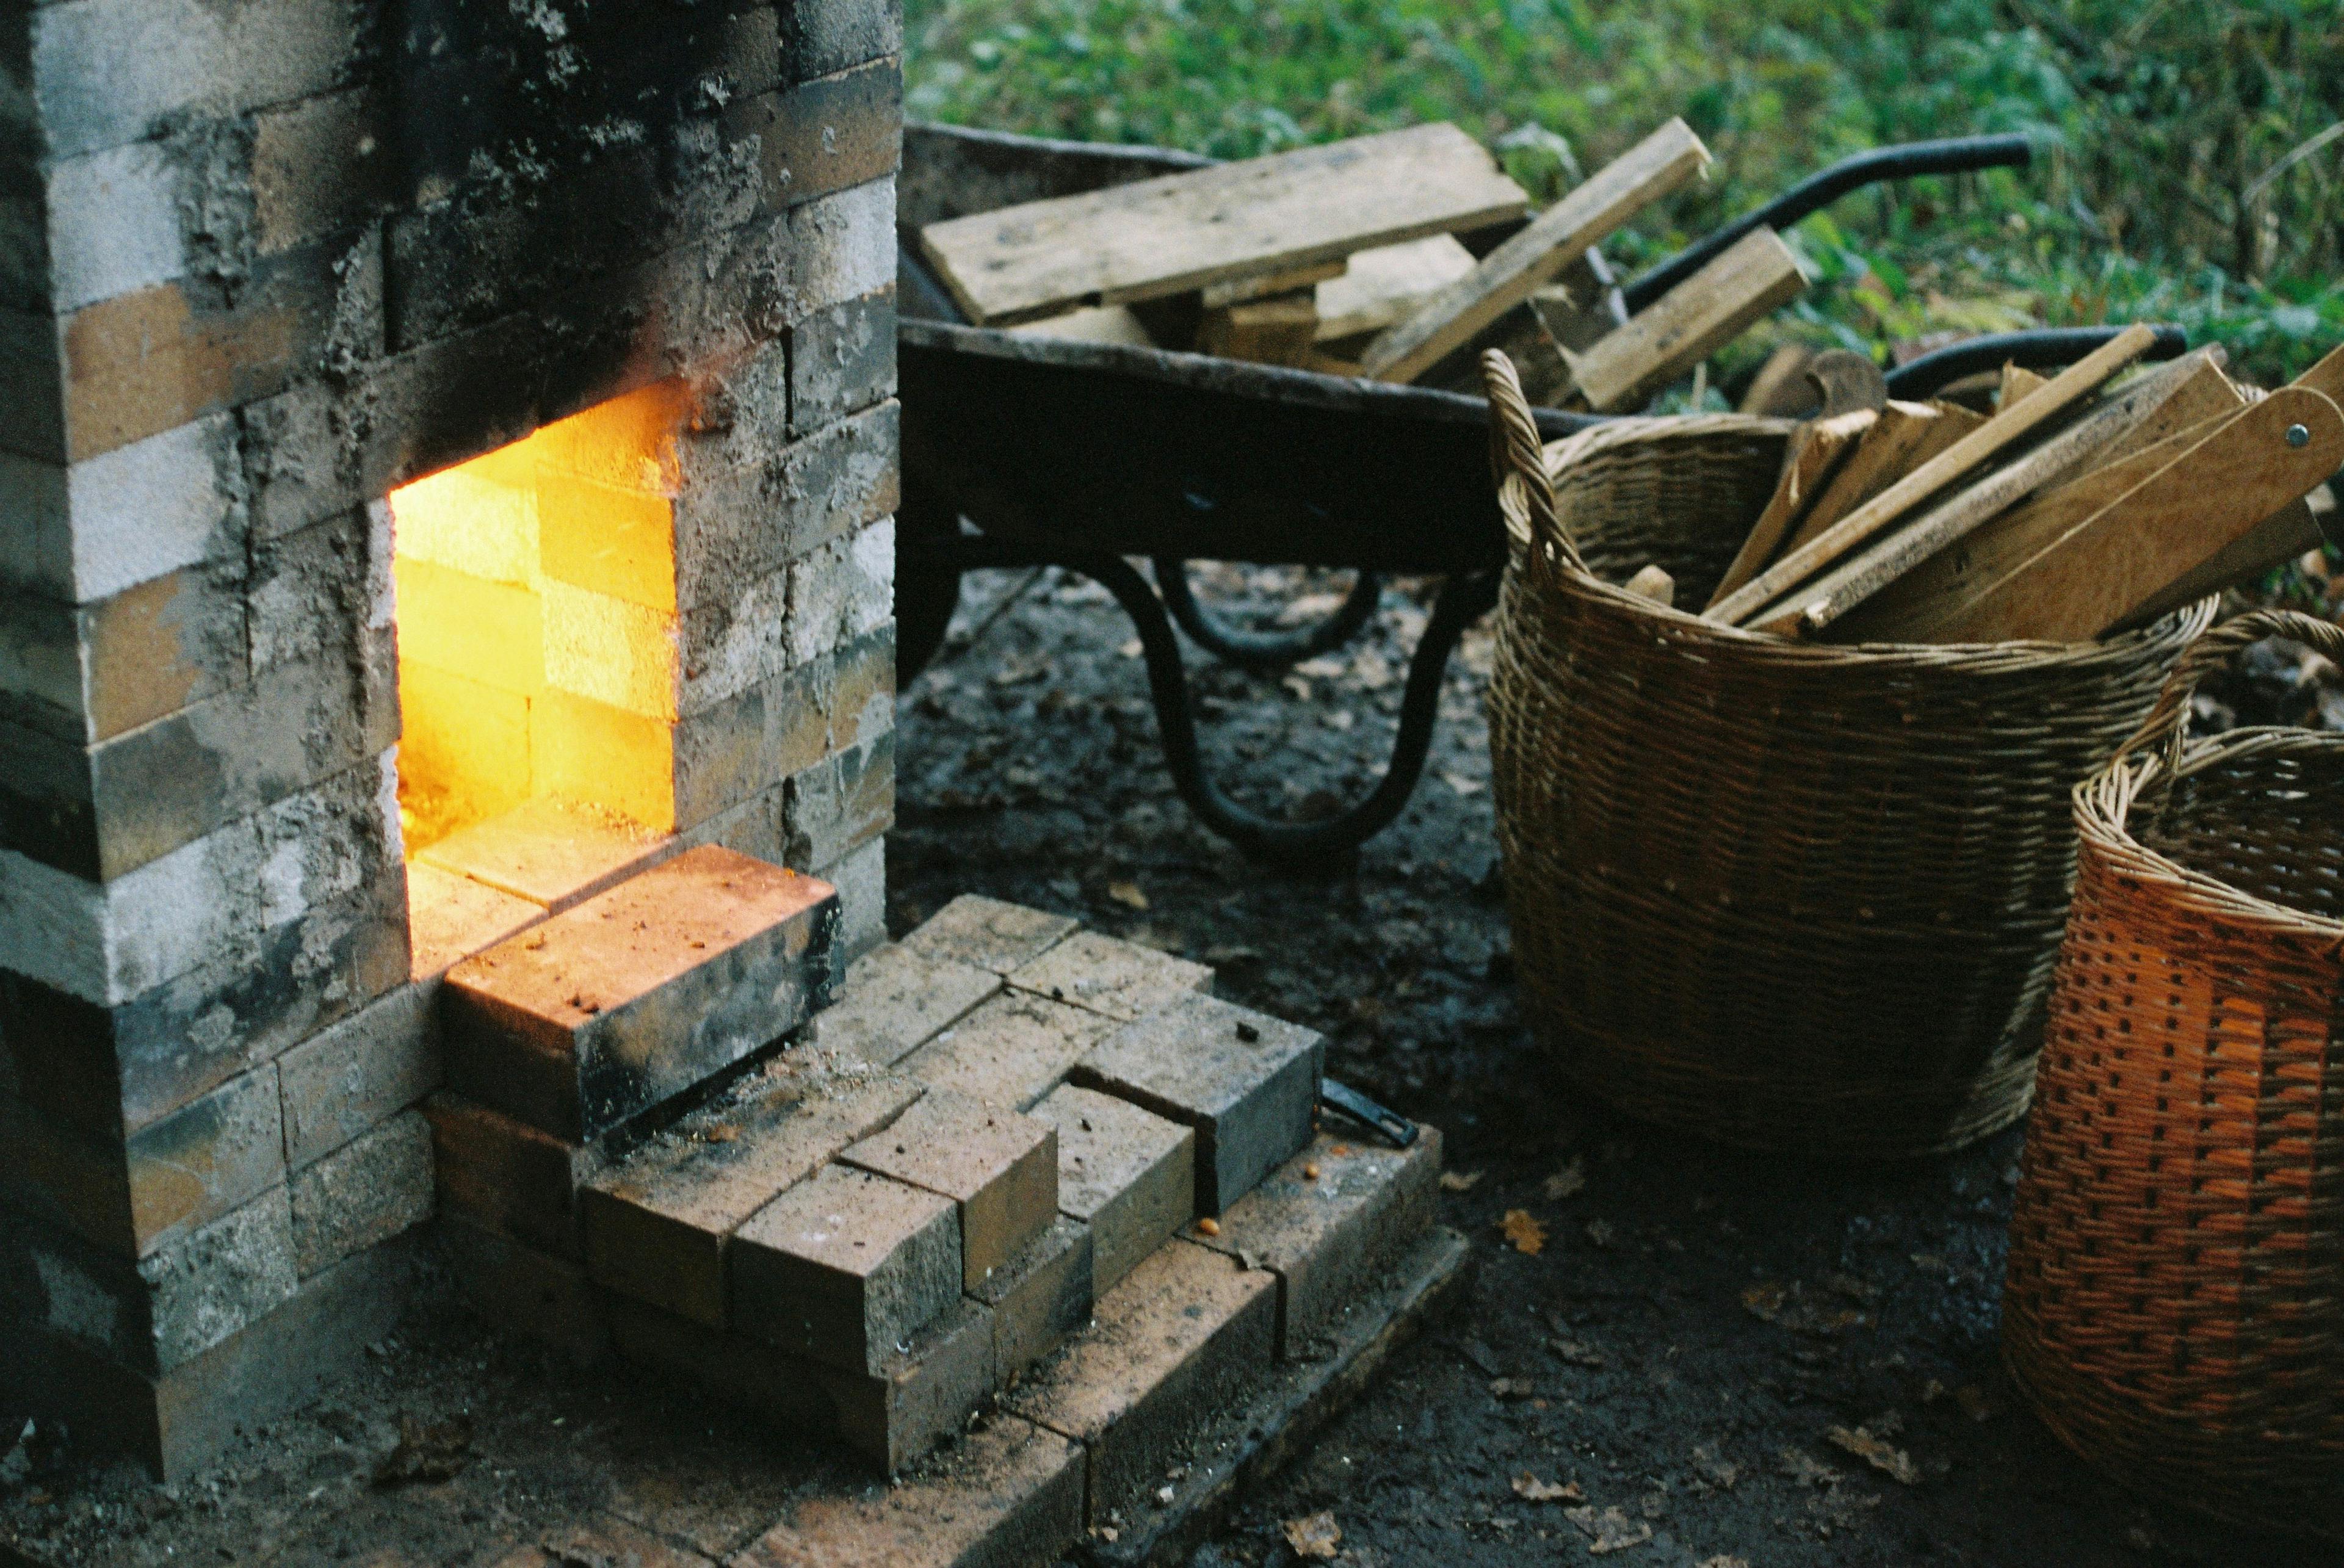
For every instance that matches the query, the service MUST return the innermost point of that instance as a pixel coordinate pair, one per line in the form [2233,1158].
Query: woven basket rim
[2103,803]
[2010,656]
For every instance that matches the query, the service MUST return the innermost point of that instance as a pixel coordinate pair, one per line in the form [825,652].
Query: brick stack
[261,263]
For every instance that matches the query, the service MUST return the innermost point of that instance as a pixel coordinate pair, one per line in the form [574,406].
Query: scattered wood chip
[1459,1180]
[1128,893]
[1876,1451]
[1610,1531]
[1531,1489]
[1511,1388]
[1315,1537]
[1569,1181]
[1523,1232]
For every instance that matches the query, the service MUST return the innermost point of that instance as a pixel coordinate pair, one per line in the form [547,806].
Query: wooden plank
[2274,541]
[1183,231]
[2016,382]
[2165,529]
[1277,331]
[1818,448]
[1385,284]
[1262,285]
[1549,243]
[1908,607]
[2072,385]
[1091,324]
[1780,388]
[1905,435]
[1686,325]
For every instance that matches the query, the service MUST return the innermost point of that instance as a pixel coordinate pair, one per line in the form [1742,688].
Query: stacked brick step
[971,1185]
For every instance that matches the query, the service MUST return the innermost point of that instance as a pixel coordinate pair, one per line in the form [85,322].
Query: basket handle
[2168,722]
[1518,465]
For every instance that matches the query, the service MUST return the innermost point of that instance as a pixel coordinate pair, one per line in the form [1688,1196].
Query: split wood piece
[1261,286]
[2278,538]
[1817,604]
[1780,389]
[1653,584]
[1274,331]
[1549,243]
[1905,435]
[1387,283]
[1627,366]
[1909,608]
[2166,528]
[1179,232]
[1092,324]
[1997,434]
[2017,382]
[1816,451]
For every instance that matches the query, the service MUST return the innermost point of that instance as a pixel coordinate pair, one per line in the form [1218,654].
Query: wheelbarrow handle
[2038,349]
[1957,154]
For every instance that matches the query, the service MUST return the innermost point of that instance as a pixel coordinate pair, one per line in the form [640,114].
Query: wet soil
[1704,1338]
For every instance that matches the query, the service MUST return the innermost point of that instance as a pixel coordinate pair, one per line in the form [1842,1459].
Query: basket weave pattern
[2175,1302]
[1789,896]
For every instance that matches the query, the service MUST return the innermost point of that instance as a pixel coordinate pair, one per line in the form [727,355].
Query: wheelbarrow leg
[1263,653]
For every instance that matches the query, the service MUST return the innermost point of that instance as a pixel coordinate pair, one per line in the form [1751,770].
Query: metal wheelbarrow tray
[1022,451]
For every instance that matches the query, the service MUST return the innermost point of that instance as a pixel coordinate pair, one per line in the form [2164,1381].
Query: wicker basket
[1787,896]
[2175,1305]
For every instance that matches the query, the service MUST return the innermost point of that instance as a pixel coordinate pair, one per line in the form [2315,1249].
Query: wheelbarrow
[1021,451]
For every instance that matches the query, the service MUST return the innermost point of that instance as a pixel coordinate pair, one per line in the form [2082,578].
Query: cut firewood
[2071,386]
[1780,388]
[1385,284]
[1549,243]
[1262,285]
[1653,584]
[1180,232]
[2018,380]
[2278,538]
[1628,365]
[1911,607]
[1092,324]
[1817,450]
[1818,605]
[2129,553]
[1275,331]
[1905,435]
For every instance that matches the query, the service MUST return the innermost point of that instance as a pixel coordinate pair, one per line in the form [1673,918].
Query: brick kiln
[446,471]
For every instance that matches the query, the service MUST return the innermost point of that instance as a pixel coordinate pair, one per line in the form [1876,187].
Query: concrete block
[921,1393]
[825,36]
[745,514]
[999,1167]
[1332,1237]
[826,133]
[733,640]
[215,1281]
[524,1290]
[601,1542]
[846,1265]
[489,631]
[1246,1082]
[87,673]
[863,698]
[989,934]
[1011,1493]
[1119,980]
[112,224]
[843,591]
[553,852]
[840,803]
[179,1422]
[659,1224]
[1182,1338]
[309,588]
[508,1176]
[319,167]
[200,1163]
[842,247]
[56,1174]
[1128,1174]
[613,651]
[640,992]
[894,1000]
[784,1391]
[1011,1051]
[358,1074]
[111,1071]
[842,361]
[88,530]
[862,883]
[32,379]
[452,917]
[1039,1296]
[362,1194]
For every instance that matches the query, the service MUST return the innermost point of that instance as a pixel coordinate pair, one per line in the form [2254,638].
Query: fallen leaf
[1459,1180]
[1525,1234]
[1723,1560]
[1298,685]
[1531,1489]
[1805,1467]
[1132,650]
[1600,1232]
[1854,1288]
[1128,893]
[1324,667]
[1315,1536]
[1511,1388]
[1568,1181]
[1713,1469]
[723,1132]
[1016,673]
[1460,784]
[1975,1402]
[1876,1451]
[1610,1531]
[1578,1353]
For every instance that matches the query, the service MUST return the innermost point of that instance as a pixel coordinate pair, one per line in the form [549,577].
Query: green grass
[2153,120]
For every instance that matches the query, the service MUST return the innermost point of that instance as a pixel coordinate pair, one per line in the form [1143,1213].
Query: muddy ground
[1640,1356]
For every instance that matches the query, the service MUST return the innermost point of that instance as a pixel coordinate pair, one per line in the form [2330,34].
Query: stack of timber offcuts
[2088,503]
[1396,256]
